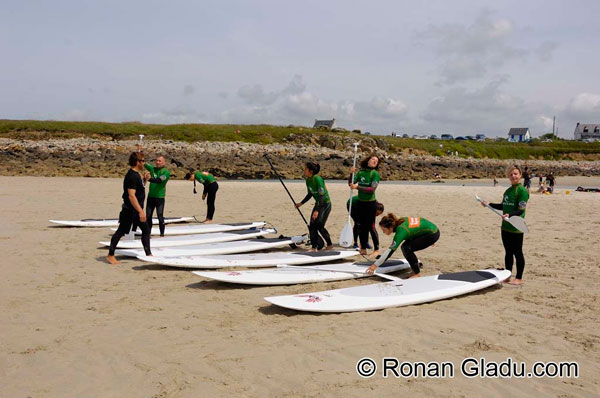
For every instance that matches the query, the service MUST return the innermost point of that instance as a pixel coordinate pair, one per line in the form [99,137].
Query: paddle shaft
[284,187]
[352,181]
[360,273]
[508,219]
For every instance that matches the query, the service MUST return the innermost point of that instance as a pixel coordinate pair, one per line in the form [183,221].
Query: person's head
[379,209]
[311,169]
[514,174]
[389,223]
[160,161]
[370,162]
[136,160]
[190,175]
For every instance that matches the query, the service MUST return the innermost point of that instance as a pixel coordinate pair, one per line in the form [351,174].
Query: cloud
[188,89]
[585,106]
[545,50]
[256,95]
[177,115]
[469,52]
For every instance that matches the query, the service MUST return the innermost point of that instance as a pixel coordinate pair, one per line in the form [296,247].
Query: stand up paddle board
[250,260]
[238,246]
[112,222]
[308,274]
[204,228]
[183,240]
[392,294]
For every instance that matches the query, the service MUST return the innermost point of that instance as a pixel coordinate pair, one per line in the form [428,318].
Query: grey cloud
[256,95]
[188,89]
[545,51]
[584,107]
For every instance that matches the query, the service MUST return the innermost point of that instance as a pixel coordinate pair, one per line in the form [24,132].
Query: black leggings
[128,218]
[513,245]
[410,246]
[365,214]
[211,194]
[159,205]
[372,231]
[317,226]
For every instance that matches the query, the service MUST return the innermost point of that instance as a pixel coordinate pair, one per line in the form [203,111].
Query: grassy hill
[268,134]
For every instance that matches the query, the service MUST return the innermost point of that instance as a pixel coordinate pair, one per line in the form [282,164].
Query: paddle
[140,142]
[361,273]
[515,221]
[347,236]
[286,190]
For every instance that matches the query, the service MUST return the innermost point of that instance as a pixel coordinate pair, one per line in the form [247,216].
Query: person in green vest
[159,176]
[514,203]
[416,233]
[366,182]
[316,189]
[210,191]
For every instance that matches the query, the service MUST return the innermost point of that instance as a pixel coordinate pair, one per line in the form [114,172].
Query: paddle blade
[346,236]
[518,223]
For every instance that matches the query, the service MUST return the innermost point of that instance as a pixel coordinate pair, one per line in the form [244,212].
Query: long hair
[364,164]
[391,221]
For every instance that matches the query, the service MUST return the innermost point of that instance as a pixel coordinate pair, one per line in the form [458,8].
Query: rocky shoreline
[236,160]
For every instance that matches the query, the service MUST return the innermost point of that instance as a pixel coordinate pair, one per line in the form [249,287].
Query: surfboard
[250,260]
[306,274]
[392,294]
[203,228]
[112,222]
[238,246]
[183,240]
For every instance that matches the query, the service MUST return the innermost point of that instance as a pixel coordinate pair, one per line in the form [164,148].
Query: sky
[431,67]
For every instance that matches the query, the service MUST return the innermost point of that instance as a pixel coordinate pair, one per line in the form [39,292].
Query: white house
[587,131]
[519,134]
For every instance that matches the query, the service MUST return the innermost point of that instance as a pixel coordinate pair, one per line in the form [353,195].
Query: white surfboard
[250,260]
[203,228]
[392,294]
[306,274]
[183,240]
[112,222]
[238,246]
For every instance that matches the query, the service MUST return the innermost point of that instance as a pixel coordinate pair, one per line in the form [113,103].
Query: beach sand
[74,326]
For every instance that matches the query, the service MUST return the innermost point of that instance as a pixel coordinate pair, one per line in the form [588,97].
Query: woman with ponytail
[316,189]
[366,182]
[416,233]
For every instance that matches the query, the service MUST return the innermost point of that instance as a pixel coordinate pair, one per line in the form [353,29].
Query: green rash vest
[316,188]
[204,178]
[367,180]
[514,198]
[412,227]
[158,190]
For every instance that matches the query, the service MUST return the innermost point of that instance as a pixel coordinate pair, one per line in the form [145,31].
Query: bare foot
[112,260]
[516,282]
[330,247]
[207,221]
[313,250]
[374,255]
[414,276]
[362,252]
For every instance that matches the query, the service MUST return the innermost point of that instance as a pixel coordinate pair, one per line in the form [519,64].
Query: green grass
[268,134]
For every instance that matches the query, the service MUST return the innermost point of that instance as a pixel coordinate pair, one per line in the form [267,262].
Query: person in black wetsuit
[373,232]
[316,189]
[132,210]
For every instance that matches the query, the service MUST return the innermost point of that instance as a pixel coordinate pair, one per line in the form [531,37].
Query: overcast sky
[413,67]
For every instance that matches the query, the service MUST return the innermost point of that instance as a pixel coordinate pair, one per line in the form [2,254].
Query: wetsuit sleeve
[306,198]
[156,180]
[149,167]
[522,198]
[321,190]
[497,206]
[399,237]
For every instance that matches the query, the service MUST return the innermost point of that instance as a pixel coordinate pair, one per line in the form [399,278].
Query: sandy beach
[74,326]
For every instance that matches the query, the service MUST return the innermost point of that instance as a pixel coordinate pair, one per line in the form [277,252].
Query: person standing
[210,191]
[316,189]
[159,176]
[550,180]
[366,182]
[514,203]
[132,210]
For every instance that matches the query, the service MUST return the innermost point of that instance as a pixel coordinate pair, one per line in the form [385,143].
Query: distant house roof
[324,123]
[518,130]
[583,131]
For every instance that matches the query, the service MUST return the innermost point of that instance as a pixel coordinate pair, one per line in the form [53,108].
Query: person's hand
[505,216]
[484,203]
[353,186]
[203,196]
[298,205]
[315,214]
[371,270]
[353,169]
[146,175]
[142,216]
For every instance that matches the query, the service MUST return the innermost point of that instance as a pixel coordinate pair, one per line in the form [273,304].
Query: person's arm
[161,178]
[306,199]
[374,183]
[321,190]
[136,205]
[497,206]
[522,199]
[399,237]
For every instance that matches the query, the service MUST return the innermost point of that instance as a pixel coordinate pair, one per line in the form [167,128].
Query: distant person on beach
[132,210]
[514,203]
[159,176]
[416,233]
[495,182]
[365,182]
[550,180]
[316,189]
[373,231]
[526,179]
[210,191]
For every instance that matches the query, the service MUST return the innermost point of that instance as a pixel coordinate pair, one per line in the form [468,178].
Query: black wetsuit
[128,216]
